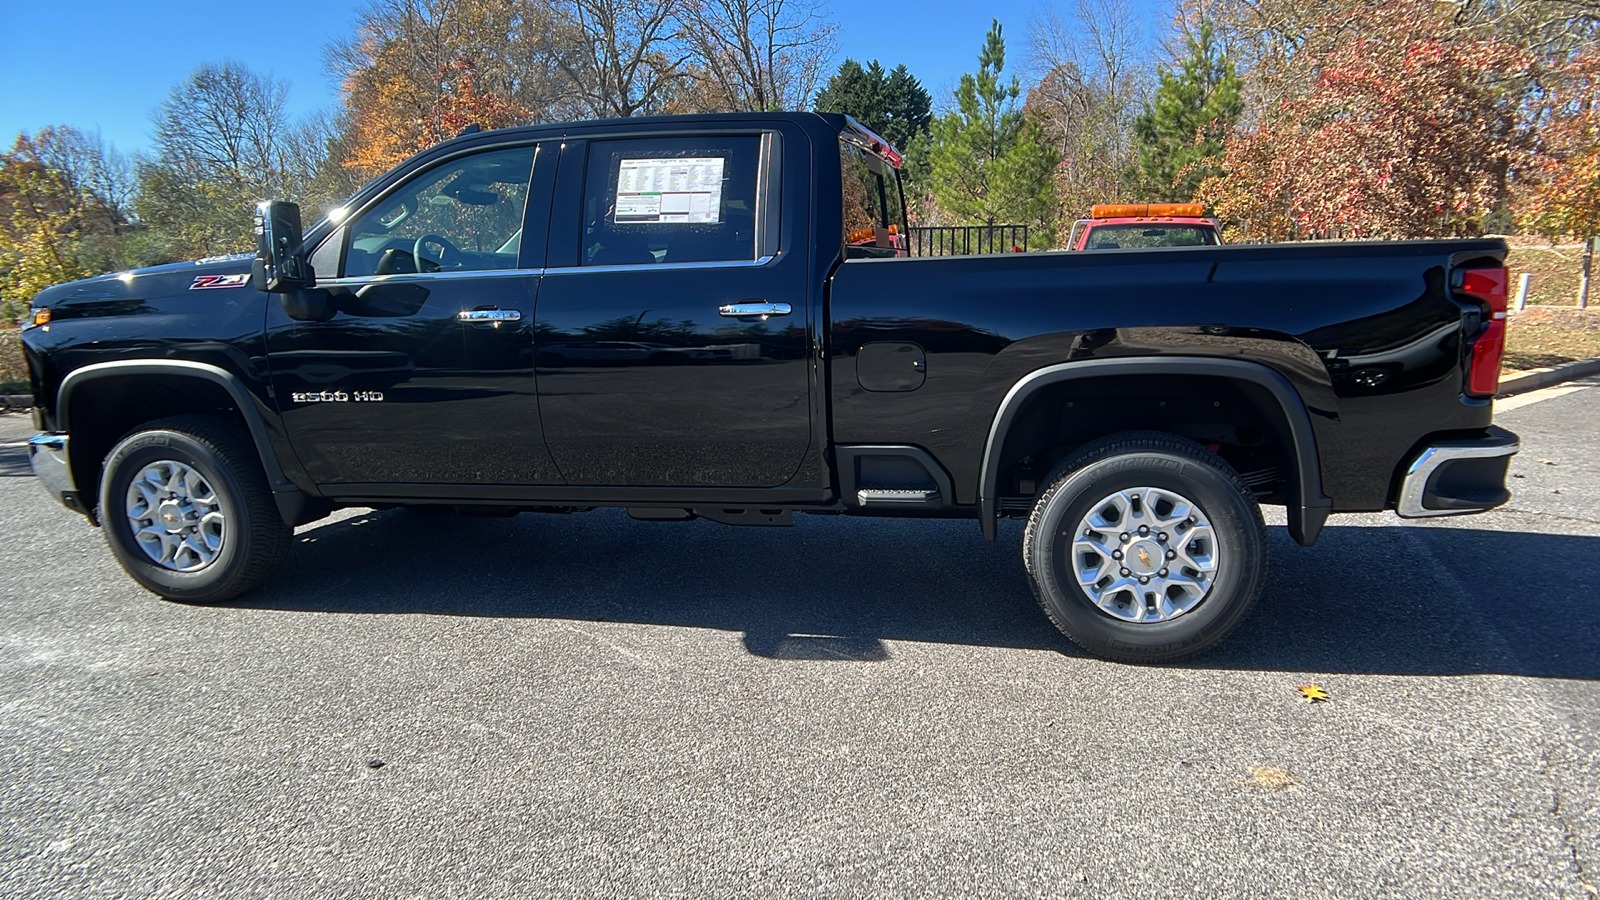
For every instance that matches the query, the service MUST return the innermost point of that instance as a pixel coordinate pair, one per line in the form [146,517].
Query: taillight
[1488,285]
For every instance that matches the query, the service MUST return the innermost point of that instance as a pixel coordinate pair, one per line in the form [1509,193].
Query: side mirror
[280,266]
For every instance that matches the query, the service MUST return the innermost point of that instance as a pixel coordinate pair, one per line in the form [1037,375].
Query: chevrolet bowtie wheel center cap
[175,515]
[1145,555]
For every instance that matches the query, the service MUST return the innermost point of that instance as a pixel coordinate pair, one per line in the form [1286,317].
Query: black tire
[256,539]
[1146,459]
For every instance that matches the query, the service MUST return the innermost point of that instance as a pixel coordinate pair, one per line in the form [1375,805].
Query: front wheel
[187,510]
[1145,547]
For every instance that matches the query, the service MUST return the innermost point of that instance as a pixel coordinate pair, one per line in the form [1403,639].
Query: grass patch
[1535,346]
[1555,270]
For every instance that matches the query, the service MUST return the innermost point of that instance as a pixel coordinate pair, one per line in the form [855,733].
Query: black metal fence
[965,240]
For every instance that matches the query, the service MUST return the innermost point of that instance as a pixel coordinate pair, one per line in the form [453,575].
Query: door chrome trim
[657,267]
[401,277]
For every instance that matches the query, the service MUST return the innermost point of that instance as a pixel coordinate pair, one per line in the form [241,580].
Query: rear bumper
[1457,476]
[47,453]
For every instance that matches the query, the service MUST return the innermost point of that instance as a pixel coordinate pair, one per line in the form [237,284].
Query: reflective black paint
[629,384]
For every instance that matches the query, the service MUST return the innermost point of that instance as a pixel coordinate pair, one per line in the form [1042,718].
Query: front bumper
[1457,476]
[47,453]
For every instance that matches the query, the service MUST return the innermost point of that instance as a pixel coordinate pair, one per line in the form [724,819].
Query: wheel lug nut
[1162,573]
[1144,529]
[1116,554]
[1144,579]
[1172,554]
[1126,573]
[1124,535]
[1162,537]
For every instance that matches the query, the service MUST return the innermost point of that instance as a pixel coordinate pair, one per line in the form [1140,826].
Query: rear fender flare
[1308,506]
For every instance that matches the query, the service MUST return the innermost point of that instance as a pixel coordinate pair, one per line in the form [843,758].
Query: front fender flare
[293,503]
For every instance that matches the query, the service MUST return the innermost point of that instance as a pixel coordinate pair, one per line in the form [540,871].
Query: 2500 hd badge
[336,397]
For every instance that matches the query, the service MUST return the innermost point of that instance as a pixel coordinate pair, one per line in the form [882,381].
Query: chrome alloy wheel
[1145,555]
[176,517]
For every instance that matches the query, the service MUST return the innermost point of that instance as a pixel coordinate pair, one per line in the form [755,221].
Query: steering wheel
[446,250]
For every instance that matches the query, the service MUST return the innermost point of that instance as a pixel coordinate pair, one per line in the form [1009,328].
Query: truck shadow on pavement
[1400,599]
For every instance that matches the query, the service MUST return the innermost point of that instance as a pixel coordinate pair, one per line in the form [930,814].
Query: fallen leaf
[1313,693]
[1269,777]
[375,763]
[1518,475]
[1548,462]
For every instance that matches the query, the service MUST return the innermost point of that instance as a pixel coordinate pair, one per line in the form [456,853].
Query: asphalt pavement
[438,707]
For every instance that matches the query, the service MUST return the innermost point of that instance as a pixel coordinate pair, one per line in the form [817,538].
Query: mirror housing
[280,266]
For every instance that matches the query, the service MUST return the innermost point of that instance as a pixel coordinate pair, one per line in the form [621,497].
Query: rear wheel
[187,511]
[1145,547]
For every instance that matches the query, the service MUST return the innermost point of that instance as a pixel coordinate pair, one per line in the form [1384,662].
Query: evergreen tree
[1182,130]
[894,105]
[989,165]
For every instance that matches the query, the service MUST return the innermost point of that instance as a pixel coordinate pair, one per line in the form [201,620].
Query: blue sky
[108,64]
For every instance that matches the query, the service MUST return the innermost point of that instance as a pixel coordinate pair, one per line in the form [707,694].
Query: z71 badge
[211,282]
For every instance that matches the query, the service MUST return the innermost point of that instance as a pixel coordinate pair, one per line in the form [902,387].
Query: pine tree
[894,105]
[969,140]
[1182,131]
[990,165]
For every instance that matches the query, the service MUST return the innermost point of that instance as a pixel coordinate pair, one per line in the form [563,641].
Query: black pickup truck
[714,317]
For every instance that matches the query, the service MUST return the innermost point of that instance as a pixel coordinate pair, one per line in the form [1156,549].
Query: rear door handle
[754,308]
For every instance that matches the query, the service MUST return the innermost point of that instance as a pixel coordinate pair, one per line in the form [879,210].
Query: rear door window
[658,201]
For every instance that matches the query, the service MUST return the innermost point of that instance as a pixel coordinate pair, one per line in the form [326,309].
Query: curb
[16,401]
[1534,379]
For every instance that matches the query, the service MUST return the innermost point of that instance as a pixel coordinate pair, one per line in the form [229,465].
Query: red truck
[1113,226]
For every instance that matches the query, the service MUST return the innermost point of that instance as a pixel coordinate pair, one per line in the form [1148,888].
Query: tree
[1562,193]
[1090,83]
[1405,130]
[1182,129]
[970,139]
[893,104]
[40,230]
[759,54]
[222,144]
[405,63]
[627,55]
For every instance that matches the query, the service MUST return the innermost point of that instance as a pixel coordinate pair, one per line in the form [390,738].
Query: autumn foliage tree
[59,196]
[1562,197]
[1405,131]
[384,135]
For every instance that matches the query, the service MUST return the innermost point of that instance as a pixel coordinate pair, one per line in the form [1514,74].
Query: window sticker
[663,191]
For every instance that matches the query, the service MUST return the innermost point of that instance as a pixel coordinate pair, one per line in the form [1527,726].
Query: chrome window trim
[658,267]
[428,276]
[1415,484]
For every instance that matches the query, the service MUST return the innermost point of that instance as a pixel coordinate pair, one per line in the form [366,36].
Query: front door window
[462,215]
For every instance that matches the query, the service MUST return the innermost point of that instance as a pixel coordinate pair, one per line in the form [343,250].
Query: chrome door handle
[753,308]
[489,315]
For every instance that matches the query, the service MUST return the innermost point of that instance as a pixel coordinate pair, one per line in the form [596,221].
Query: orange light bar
[1142,210]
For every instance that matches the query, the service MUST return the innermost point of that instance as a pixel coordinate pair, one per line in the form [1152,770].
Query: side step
[873,496]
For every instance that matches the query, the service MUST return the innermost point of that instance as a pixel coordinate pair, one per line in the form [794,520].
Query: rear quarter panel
[1368,334]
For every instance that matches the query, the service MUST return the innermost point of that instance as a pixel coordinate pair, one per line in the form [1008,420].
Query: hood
[212,273]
